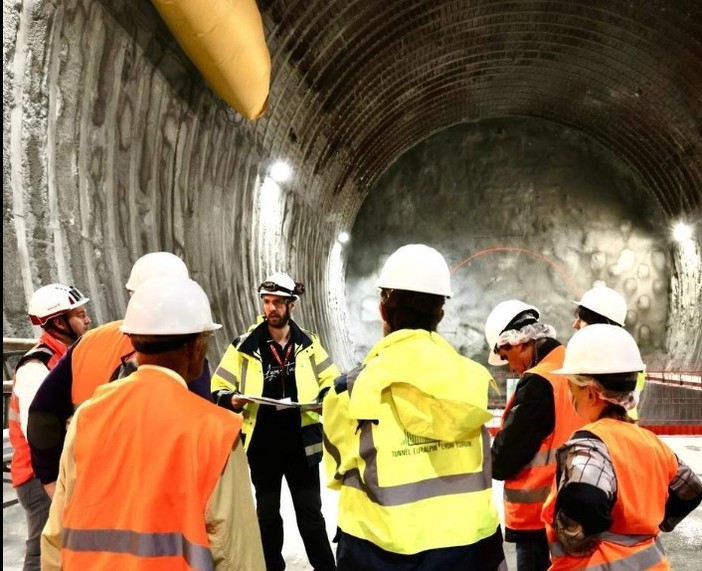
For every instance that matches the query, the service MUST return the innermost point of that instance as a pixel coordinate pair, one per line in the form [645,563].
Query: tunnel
[542,147]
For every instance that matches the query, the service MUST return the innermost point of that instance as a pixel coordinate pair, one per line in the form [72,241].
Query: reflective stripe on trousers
[138,544]
[414,491]
[314,449]
[643,559]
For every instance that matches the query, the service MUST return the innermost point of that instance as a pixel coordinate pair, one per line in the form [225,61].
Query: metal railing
[671,403]
[683,378]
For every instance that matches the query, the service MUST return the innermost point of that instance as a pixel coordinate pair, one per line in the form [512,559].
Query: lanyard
[284,361]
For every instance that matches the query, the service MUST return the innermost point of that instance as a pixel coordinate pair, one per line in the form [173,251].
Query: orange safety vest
[526,492]
[644,468]
[49,350]
[95,358]
[148,455]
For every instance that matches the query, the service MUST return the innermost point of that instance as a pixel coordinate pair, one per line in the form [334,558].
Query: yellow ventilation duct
[225,40]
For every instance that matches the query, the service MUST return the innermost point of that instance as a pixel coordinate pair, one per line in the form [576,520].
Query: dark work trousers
[276,450]
[36,504]
[355,554]
[532,554]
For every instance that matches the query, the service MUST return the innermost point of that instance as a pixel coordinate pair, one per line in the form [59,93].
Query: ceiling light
[280,171]
[343,237]
[682,232]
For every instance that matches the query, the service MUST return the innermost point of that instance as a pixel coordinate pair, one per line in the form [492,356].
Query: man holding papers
[274,373]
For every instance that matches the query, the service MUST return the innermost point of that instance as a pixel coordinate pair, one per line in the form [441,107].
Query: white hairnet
[530,332]
[626,399]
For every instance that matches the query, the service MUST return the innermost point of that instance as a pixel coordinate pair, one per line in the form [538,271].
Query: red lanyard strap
[288,352]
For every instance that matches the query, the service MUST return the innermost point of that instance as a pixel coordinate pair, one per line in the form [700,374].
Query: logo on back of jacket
[414,444]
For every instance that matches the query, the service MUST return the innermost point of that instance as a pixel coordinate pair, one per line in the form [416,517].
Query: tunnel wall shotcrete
[114,147]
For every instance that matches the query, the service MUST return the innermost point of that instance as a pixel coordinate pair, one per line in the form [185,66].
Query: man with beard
[277,359]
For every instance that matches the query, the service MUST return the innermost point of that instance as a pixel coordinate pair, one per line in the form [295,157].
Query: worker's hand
[50,489]
[239,402]
[572,536]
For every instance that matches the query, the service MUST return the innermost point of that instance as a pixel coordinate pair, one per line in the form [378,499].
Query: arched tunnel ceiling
[357,83]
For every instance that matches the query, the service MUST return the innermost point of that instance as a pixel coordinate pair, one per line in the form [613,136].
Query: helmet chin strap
[68,332]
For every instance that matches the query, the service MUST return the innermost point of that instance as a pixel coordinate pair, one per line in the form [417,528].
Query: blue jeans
[532,554]
[36,503]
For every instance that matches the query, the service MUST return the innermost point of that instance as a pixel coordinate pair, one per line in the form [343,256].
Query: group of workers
[146,474]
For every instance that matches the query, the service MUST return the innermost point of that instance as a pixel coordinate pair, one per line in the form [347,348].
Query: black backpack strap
[125,368]
[40,353]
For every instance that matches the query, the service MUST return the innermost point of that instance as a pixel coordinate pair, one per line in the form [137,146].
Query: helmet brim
[495,360]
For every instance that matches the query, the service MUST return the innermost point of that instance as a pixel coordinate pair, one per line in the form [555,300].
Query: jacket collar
[402,335]
[542,352]
[253,340]
[56,346]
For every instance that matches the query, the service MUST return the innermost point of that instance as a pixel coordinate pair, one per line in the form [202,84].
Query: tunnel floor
[683,546]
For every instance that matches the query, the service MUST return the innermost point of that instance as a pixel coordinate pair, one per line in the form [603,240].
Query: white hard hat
[280,284]
[498,320]
[153,265]
[52,300]
[416,267]
[168,306]
[605,301]
[601,349]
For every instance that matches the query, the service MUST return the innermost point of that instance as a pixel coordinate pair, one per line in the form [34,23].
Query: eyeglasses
[272,286]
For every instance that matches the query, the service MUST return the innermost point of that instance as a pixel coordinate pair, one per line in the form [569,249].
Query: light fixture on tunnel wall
[270,216]
[343,237]
[682,232]
[280,171]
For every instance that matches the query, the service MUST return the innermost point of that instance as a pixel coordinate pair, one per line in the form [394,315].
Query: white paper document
[281,403]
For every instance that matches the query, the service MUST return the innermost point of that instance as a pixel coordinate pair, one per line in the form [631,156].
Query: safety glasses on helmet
[272,286]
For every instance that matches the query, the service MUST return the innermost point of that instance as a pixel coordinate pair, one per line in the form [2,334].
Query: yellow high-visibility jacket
[640,381]
[405,444]
[241,370]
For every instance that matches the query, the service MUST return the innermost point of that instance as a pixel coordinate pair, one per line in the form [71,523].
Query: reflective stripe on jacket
[49,350]
[406,446]
[145,470]
[241,370]
[525,494]
[644,468]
